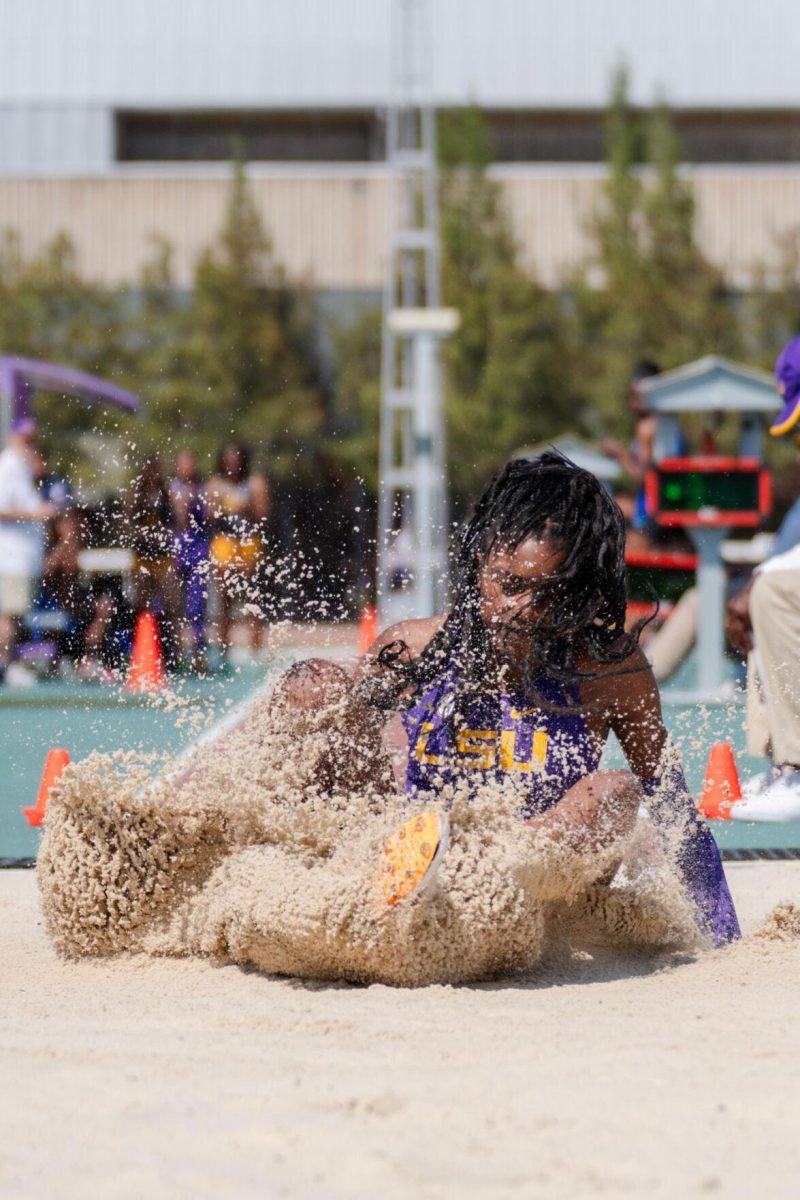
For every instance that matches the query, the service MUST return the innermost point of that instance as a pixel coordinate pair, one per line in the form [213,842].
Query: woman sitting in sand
[267,850]
[527,674]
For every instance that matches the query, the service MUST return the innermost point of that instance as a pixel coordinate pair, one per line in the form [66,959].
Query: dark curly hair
[577,611]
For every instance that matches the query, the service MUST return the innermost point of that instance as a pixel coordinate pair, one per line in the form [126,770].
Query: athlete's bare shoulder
[414,635]
[625,685]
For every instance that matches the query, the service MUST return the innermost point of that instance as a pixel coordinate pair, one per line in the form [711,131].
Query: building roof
[711,384]
[515,53]
[584,454]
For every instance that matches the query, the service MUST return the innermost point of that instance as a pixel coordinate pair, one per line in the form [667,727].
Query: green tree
[248,363]
[159,370]
[771,311]
[49,311]
[505,366]
[648,291]
[355,419]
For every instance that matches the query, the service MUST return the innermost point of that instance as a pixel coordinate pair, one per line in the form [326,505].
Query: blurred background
[194,206]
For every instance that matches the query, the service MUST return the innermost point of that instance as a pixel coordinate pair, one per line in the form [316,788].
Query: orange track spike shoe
[410,857]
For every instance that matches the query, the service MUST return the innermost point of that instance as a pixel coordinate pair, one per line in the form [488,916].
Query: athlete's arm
[362,731]
[635,717]
[410,638]
[308,684]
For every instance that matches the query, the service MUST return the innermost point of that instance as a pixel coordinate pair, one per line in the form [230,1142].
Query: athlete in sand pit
[526,675]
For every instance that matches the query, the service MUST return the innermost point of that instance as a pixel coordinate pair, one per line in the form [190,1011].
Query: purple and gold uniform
[548,751]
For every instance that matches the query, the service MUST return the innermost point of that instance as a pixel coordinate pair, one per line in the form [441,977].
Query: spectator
[51,487]
[22,535]
[190,519]
[105,638]
[155,579]
[763,622]
[61,597]
[637,458]
[240,507]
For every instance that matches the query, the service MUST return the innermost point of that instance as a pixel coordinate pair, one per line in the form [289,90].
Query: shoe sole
[410,858]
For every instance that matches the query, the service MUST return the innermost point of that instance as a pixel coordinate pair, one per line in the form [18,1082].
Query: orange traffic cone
[721,787]
[146,672]
[53,766]
[367,627]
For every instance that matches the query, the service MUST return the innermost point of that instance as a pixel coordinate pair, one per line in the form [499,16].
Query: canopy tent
[21,377]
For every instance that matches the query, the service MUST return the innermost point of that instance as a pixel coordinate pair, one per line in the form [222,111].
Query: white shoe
[19,676]
[776,774]
[774,796]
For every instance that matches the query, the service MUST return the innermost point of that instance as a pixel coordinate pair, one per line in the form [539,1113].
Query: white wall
[65,63]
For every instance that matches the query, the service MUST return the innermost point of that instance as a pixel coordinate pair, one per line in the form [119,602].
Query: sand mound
[782,924]
[264,853]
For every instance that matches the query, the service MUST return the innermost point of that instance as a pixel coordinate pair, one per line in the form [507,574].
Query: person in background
[50,486]
[105,637]
[95,634]
[191,525]
[23,514]
[156,585]
[240,505]
[61,593]
[636,459]
[763,623]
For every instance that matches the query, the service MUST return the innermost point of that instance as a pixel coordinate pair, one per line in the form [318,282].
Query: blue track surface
[84,717]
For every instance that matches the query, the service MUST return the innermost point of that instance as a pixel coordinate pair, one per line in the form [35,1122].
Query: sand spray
[263,851]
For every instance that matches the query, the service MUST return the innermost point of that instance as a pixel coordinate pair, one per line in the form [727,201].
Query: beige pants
[773,680]
[669,647]
[16,594]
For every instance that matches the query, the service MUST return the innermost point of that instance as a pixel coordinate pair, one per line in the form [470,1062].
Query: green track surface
[84,717]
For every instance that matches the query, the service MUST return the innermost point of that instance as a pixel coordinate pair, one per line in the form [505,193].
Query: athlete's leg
[313,684]
[597,811]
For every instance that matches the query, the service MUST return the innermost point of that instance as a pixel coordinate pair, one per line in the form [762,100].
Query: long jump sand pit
[620,1076]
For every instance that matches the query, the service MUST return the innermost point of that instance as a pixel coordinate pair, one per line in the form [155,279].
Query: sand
[262,848]
[140,1076]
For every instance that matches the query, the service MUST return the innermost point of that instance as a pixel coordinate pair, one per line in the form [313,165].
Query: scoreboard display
[708,491]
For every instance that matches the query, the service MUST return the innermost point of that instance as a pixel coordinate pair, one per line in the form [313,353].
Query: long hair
[576,612]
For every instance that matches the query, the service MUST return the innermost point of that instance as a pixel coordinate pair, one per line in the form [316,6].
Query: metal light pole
[412,512]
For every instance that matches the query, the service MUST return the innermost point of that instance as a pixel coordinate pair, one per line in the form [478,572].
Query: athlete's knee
[611,800]
[620,786]
[312,684]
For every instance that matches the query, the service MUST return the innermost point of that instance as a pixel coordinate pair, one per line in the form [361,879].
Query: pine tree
[648,291]
[504,367]
[689,312]
[771,312]
[158,336]
[355,419]
[49,312]
[248,360]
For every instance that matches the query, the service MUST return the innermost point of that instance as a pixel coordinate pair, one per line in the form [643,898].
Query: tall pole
[412,511]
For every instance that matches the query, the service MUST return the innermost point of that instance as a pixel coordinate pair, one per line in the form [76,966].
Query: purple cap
[787,376]
[24,426]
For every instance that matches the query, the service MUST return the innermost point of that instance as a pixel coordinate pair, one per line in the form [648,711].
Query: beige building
[329,225]
[116,120]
